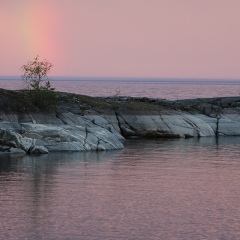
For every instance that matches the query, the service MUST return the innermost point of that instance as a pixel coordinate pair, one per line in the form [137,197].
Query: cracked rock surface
[82,123]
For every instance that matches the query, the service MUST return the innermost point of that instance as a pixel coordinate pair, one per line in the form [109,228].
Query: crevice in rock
[32,118]
[173,124]
[98,142]
[130,127]
[194,126]
[119,124]
[160,115]
[86,136]
[217,125]
[218,111]
[110,123]
[62,120]
[90,121]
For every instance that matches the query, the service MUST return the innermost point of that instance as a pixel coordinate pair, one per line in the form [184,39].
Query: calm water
[169,89]
[176,189]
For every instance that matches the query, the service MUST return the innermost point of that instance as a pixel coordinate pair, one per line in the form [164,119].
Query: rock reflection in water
[175,189]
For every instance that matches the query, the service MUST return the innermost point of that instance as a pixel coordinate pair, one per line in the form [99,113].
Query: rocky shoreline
[80,123]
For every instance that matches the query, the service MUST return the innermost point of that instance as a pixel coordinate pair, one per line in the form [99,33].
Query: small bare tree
[36,79]
[35,72]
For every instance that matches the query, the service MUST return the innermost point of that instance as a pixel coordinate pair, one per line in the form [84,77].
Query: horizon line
[89,78]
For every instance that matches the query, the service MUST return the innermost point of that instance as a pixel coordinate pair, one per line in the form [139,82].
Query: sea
[171,89]
[176,189]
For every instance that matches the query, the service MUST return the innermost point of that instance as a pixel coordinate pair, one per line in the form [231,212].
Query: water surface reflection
[175,189]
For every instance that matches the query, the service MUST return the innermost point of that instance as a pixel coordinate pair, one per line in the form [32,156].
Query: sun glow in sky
[123,38]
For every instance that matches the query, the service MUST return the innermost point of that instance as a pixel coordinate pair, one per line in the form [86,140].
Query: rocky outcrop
[35,138]
[82,123]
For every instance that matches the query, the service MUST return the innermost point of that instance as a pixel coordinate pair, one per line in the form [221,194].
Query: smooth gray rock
[38,150]
[229,126]
[15,140]
[72,138]
[175,124]
[73,127]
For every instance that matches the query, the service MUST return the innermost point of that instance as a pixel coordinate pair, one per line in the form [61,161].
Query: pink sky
[123,38]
